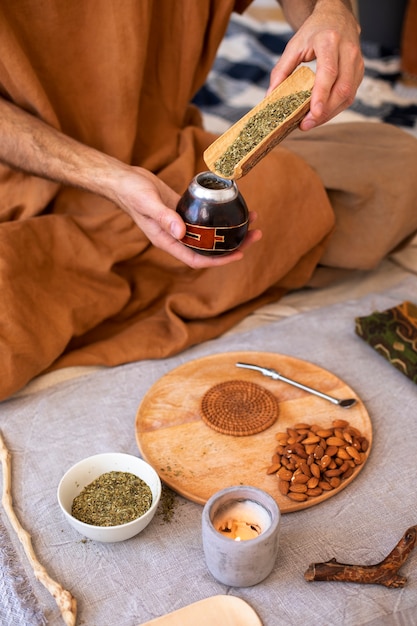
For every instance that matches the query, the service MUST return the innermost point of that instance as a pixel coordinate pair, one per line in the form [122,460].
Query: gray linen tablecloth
[163,568]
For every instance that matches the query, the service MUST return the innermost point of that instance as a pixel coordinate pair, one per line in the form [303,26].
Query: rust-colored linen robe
[80,283]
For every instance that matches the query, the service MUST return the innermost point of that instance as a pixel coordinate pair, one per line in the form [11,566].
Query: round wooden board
[196,461]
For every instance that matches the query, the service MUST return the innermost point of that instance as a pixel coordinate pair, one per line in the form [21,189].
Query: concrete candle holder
[240,531]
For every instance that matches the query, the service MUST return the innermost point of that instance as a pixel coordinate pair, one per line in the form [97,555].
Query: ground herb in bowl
[111,499]
[259,126]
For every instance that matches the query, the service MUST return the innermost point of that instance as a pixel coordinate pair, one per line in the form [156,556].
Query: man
[98,139]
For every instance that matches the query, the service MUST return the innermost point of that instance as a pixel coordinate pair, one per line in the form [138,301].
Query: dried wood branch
[383,573]
[66,603]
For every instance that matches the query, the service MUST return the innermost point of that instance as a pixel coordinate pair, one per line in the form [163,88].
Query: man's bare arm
[28,144]
[297,11]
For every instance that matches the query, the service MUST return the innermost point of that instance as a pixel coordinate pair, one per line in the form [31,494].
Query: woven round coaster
[239,407]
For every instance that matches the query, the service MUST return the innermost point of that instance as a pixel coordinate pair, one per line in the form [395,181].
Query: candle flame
[239,530]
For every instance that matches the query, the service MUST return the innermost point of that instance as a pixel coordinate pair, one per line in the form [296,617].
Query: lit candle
[242,520]
[240,530]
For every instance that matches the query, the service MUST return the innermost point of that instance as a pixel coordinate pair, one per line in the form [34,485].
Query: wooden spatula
[300,80]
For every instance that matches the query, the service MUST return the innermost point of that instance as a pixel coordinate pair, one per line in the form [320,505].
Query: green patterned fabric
[393,333]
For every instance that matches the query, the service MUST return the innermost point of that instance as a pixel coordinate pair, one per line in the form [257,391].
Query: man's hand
[151,204]
[328,32]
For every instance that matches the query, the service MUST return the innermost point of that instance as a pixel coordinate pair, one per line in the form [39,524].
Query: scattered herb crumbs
[167,504]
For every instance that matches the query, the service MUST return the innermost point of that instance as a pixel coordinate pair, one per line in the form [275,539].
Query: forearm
[28,144]
[297,11]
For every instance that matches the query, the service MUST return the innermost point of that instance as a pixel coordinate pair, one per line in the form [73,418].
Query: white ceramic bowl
[84,472]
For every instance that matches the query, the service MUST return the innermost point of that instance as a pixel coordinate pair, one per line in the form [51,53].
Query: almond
[282,438]
[325,485]
[324,461]
[299,478]
[298,497]
[325,432]
[298,488]
[305,468]
[347,436]
[311,439]
[300,451]
[335,441]
[284,474]
[283,486]
[292,433]
[332,450]
[347,473]
[272,469]
[315,470]
[310,447]
[291,441]
[343,454]
[313,482]
[335,482]
[353,431]
[353,453]
[318,452]
[344,466]
[332,472]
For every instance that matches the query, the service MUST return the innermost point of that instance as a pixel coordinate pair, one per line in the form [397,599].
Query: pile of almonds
[311,459]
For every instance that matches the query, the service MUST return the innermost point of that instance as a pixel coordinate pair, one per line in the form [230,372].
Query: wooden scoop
[300,80]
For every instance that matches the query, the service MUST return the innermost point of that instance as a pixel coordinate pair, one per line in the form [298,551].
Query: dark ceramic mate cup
[215,214]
